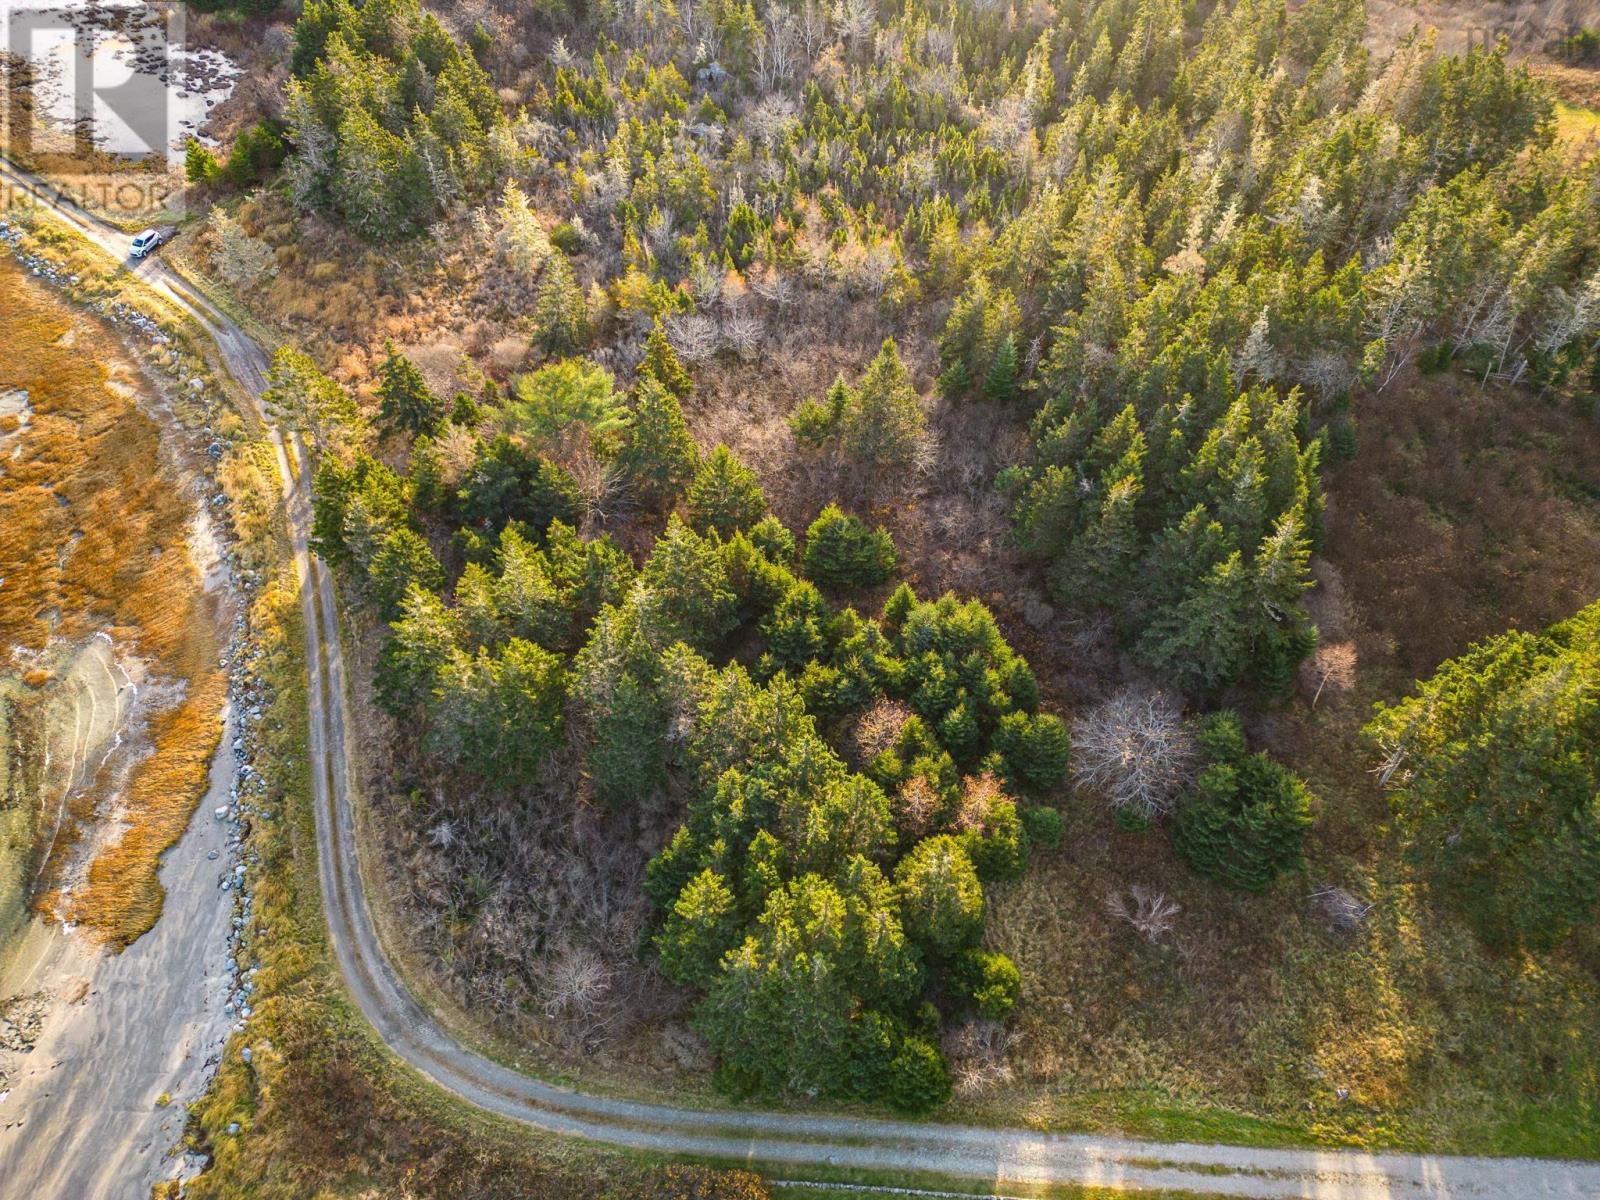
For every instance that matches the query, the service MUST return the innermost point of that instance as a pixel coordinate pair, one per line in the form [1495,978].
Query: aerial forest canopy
[1178,235]
[1167,242]
[866,876]
[1495,765]
[391,118]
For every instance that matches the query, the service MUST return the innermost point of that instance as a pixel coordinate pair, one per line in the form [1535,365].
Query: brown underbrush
[1342,1006]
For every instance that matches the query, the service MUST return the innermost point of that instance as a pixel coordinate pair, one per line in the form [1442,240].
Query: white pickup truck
[149,240]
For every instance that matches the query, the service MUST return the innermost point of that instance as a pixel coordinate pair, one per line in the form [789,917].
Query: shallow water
[92,1103]
[124,66]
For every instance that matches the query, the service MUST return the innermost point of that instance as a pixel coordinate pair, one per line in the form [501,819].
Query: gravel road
[793,1140]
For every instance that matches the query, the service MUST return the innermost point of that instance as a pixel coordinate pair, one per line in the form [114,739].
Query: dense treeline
[392,119]
[1173,239]
[1495,766]
[851,782]
[1179,234]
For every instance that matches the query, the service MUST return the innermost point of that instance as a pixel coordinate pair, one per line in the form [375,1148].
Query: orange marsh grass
[93,535]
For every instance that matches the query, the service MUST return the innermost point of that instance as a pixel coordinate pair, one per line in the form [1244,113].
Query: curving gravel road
[795,1140]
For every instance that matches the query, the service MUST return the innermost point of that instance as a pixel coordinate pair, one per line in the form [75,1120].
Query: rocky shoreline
[146,41]
[231,964]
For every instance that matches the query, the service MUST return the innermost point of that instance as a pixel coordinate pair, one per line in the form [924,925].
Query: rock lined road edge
[881,1147]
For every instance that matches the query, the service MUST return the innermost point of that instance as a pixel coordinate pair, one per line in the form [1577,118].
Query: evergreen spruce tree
[897,608]
[405,402]
[659,457]
[662,363]
[701,927]
[882,421]
[403,559]
[1246,822]
[306,400]
[961,343]
[1101,566]
[561,313]
[1201,639]
[725,496]
[815,421]
[941,900]
[1001,383]
[1494,764]
[200,165]
[843,551]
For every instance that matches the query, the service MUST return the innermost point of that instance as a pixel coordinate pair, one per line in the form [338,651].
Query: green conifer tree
[659,457]
[1002,382]
[662,363]
[843,551]
[405,402]
[560,311]
[725,496]
[882,421]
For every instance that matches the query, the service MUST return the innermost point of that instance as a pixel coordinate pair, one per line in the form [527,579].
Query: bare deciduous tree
[1136,751]
[915,806]
[662,235]
[772,118]
[243,261]
[602,485]
[978,1052]
[1327,373]
[1149,912]
[695,336]
[577,981]
[743,333]
[777,50]
[705,283]
[854,20]
[877,729]
[773,286]
[813,28]
[1333,665]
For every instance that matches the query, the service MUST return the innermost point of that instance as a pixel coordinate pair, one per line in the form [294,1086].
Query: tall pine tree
[405,402]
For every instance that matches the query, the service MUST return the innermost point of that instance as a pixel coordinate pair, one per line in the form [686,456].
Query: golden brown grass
[1465,511]
[122,898]
[93,535]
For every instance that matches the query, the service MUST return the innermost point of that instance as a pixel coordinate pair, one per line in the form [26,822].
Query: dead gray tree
[1149,912]
[694,336]
[1135,750]
[1343,911]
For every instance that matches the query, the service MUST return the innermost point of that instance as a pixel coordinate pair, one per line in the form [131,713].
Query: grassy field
[1466,511]
[1576,124]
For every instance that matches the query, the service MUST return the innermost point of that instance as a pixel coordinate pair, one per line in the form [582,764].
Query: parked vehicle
[147,241]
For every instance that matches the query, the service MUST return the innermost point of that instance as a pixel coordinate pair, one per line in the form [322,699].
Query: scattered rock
[21,1021]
